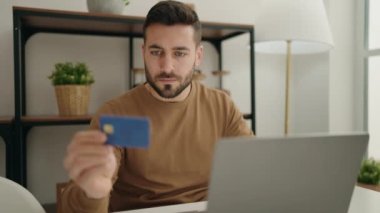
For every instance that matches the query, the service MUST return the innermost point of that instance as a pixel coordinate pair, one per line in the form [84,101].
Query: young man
[186,119]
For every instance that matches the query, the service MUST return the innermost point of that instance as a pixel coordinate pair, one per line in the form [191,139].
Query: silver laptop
[288,175]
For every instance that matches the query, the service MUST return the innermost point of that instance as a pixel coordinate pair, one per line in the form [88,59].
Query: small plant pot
[72,99]
[106,6]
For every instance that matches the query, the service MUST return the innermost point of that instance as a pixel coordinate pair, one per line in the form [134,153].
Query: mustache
[167,75]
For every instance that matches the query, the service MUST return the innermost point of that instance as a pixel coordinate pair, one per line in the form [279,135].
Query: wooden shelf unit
[55,120]
[6,133]
[29,21]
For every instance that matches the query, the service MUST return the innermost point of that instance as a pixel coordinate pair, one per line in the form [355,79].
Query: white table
[198,206]
[362,201]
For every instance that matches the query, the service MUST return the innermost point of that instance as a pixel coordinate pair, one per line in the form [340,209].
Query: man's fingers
[97,185]
[99,151]
[91,163]
[83,163]
[86,142]
[90,149]
[90,136]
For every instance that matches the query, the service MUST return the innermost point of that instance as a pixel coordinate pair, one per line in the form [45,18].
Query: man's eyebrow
[181,48]
[155,46]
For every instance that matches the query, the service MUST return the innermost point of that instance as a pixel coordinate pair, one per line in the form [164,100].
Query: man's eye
[156,52]
[179,54]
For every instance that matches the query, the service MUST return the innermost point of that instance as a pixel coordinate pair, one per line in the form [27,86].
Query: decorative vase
[72,99]
[106,6]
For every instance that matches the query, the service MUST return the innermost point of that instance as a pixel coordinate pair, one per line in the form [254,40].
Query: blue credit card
[126,131]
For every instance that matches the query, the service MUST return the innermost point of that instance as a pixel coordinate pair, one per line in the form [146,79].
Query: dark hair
[171,13]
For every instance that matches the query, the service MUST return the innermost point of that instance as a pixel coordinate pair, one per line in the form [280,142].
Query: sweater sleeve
[74,198]
[236,125]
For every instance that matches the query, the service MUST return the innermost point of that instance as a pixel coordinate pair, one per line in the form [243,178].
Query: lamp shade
[303,22]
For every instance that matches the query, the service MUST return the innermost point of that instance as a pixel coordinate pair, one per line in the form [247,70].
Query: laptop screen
[288,174]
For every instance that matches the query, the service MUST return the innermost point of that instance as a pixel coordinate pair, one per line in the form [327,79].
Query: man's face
[170,55]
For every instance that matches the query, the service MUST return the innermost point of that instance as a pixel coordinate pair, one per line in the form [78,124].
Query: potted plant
[107,6]
[369,176]
[72,87]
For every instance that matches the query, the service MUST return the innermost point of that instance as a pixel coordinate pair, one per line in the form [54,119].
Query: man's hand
[90,163]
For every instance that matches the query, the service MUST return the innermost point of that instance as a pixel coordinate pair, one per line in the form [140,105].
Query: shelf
[198,75]
[6,119]
[6,123]
[55,120]
[138,70]
[60,21]
[29,21]
[6,128]
[220,72]
[247,116]
[6,133]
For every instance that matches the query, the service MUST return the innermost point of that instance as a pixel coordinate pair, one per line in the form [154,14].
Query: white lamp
[292,27]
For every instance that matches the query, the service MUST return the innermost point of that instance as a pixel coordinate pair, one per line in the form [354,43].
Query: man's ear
[198,55]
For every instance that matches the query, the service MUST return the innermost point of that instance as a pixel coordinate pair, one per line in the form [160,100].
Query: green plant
[369,172]
[69,73]
[126,2]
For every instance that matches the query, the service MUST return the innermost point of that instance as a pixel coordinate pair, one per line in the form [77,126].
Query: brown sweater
[176,166]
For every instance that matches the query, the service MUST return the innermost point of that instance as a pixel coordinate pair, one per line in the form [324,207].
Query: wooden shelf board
[44,20]
[138,70]
[5,119]
[247,116]
[56,119]
[220,72]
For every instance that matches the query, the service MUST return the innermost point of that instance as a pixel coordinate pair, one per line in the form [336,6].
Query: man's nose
[167,63]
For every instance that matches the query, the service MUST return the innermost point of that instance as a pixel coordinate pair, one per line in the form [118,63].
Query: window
[373,24]
[372,56]
[374,106]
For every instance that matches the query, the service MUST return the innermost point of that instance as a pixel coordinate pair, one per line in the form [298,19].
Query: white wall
[236,57]
[308,94]
[360,79]
[342,65]
[270,94]
[310,104]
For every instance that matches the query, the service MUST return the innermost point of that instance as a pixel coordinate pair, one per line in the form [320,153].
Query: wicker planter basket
[72,99]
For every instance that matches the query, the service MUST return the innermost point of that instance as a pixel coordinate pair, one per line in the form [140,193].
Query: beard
[169,90]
